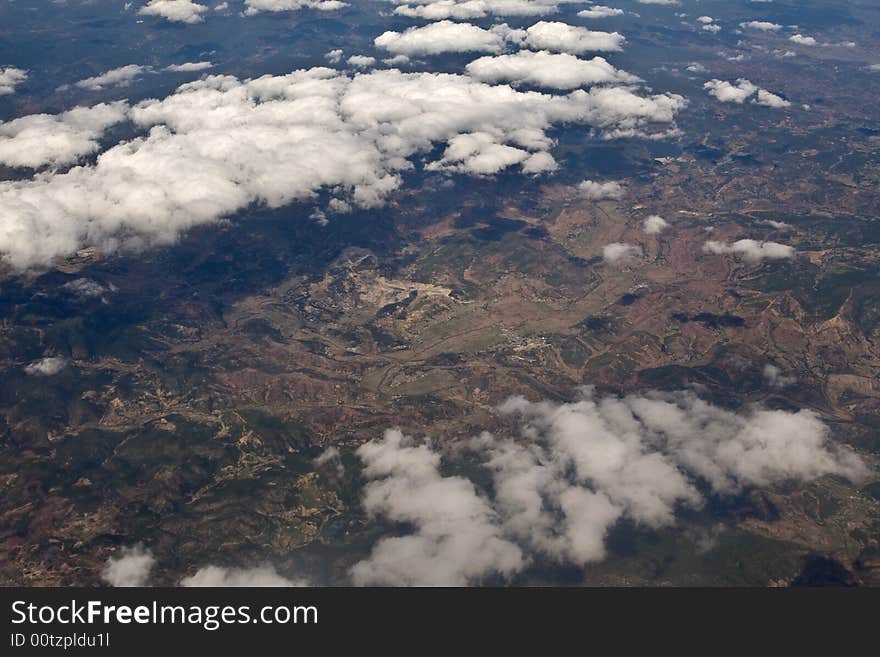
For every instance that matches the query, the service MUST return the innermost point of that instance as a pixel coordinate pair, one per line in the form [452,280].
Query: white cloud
[443,36]
[334,56]
[774,377]
[763,26]
[257,6]
[751,250]
[467,9]
[46,366]
[117,77]
[219,144]
[621,253]
[131,568]
[37,140]
[361,61]
[549,70]
[10,78]
[742,90]
[654,224]
[456,539]
[770,100]
[728,92]
[86,288]
[189,67]
[803,40]
[262,576]
[705,20]
[778,225]
[176,11]
[570,473]
[600,11]
[598,191]
[561,37]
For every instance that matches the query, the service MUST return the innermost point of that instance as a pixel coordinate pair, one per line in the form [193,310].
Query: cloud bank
[220,144]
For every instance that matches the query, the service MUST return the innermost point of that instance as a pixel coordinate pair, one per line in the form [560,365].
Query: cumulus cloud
[549,70]
[46,366]
[802,40]
[176,11]
[729,92]
[189,67]
[569,473]
[768,99]
[262,576]
[600,191]
[751,250]
[742,90]
[763,26]
[443,36]
[361,61]
[561,37]
[55,140]
[117,77]
[219,144]
[131,568]
[654,224]
[457,537]
[257,6]
[467,9]
[621,253]
[600,11]
[10,78]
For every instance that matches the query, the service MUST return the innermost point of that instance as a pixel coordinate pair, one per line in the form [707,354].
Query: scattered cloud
[189,67]
[600,11]
[46,366]
[763,26]
[742,90]
[131,568]
[728,92]
[774,377]
[548,70]
[561,37]
[443,36]
[469,9]
[176,11]
[262,576]
[569,473]
[768,99]
[600,191]
[117,77]
[361,61]
[751,250]
[802,40]
[655,224]
[257,6]
[10,78]
[621,253]
[457,536]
